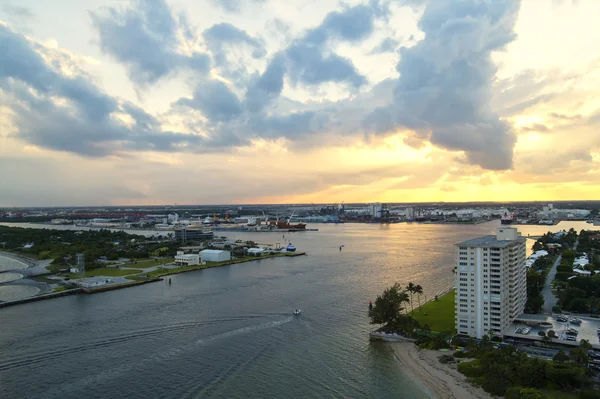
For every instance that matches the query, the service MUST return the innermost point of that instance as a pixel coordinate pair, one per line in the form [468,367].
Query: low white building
[92,282]
[214,255]
[187,259]
[255,251]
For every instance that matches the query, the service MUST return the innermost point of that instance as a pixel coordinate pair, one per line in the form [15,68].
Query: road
[549,298]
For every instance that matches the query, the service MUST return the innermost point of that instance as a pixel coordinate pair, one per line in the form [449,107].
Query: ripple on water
[7,277]
[14,292]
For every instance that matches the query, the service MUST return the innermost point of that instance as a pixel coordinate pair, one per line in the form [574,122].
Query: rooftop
[488,241]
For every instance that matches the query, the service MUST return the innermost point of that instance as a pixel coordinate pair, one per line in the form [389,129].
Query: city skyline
[246,102]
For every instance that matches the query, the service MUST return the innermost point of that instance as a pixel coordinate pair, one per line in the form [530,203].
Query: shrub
[556,309]
[589,394]
[523,393]
[446,359]
[471,369]
[462,355]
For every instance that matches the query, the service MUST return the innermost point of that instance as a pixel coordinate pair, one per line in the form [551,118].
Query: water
[229,332]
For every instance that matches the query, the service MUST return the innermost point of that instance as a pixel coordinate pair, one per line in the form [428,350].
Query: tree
[523,393]
[411,289]
[388,306]
[419,291]
[546,340]
[561,357]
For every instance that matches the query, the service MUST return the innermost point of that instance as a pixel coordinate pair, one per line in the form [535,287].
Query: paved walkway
[549,298]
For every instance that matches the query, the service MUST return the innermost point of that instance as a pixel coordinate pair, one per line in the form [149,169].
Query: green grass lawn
[143,264]
[438,315]
[105,271]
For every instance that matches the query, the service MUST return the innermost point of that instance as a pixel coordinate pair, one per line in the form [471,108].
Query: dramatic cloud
[445,85]
[373,100]
[144,38]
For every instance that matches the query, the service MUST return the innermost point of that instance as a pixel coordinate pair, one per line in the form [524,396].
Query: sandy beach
[441,380]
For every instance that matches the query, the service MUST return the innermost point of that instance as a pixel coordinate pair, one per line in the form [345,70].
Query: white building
[255,251]
[374,210]
[214,255]
[491,286]
[173,218]
[92,282]
[187,259]
[409,213]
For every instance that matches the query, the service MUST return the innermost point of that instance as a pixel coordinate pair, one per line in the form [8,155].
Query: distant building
[173,218]
[92,282]
[255,251]
[193,233]
[490,282]
[214,255]
[187,259]
[410,213]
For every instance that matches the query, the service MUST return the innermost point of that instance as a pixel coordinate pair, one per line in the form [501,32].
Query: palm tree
[411,288]
[418,291]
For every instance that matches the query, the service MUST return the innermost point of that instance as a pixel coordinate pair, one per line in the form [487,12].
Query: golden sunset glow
[103,127]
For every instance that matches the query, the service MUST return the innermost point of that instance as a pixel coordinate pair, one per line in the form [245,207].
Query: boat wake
[33,359]
[245,330]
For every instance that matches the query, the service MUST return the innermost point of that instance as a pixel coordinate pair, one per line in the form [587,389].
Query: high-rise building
[491,286]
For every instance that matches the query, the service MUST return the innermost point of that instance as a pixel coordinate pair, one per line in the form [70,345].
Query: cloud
[444,91]
[216,102]
[235,6]
[564,116]
[536,127]
[69,113]
[311,59]
[387,45]
[17,11]
[145,39]
[221,39]
[268,86]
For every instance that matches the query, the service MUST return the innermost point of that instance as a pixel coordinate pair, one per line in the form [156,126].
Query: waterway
[229,331]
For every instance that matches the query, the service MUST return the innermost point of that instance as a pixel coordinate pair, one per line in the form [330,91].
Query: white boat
[297,312]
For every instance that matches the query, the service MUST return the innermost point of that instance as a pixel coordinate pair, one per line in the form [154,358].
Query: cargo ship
[508,218]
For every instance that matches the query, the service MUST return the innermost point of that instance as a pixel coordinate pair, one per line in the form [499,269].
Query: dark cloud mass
[144,38]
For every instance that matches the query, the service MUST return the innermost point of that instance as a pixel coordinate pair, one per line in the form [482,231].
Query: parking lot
[586,330]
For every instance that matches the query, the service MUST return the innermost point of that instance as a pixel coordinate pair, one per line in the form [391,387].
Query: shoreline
[439,380]
[145,279]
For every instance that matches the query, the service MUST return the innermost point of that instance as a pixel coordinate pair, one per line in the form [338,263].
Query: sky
[149,102]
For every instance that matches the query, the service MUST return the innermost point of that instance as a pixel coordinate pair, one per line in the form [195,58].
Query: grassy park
[438,315]
[105,271]
[146,263]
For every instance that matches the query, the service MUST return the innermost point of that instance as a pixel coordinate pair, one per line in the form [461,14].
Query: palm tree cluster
[389,306]
[412,288]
